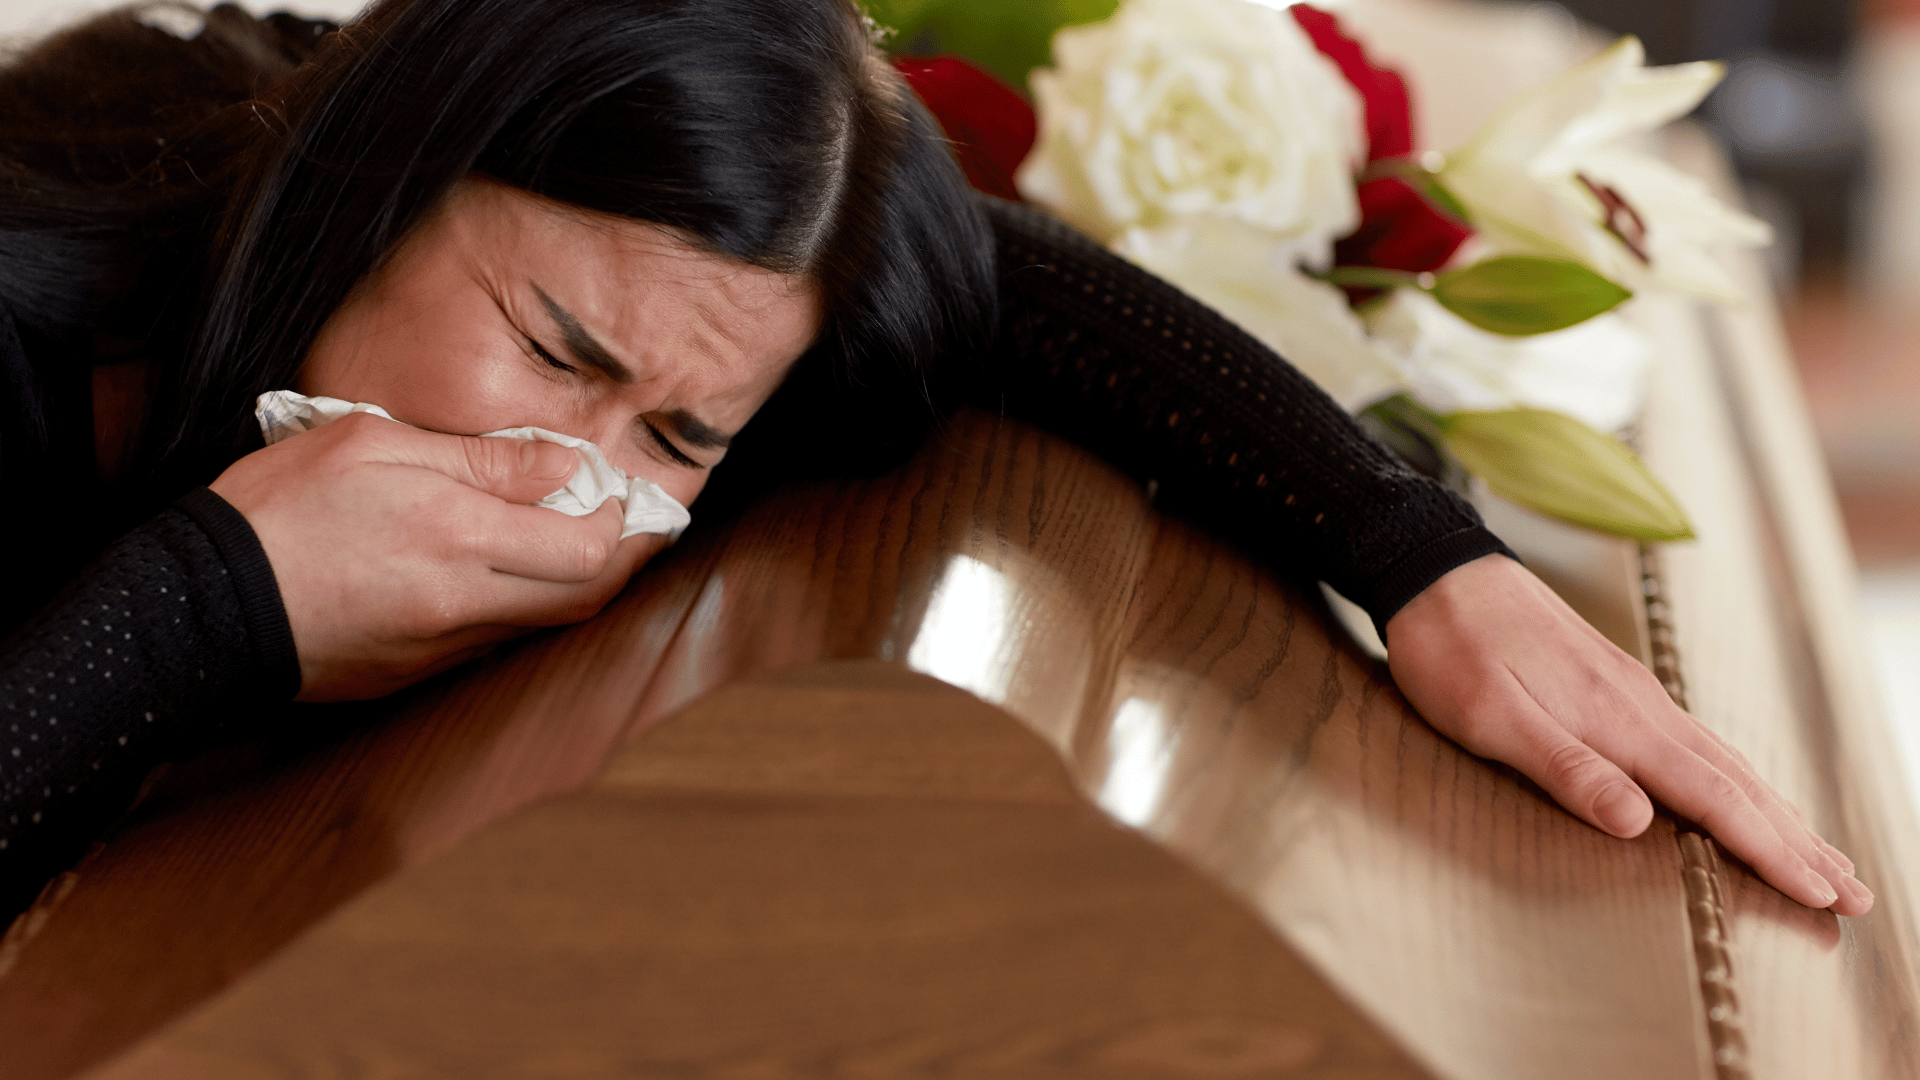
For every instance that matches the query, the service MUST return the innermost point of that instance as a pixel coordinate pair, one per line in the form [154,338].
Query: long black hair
[769,131]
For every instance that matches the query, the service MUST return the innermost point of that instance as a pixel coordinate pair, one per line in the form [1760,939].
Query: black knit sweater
[177,628]
[1236,438]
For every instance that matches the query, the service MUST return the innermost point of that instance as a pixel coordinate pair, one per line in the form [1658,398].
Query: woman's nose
[613,431]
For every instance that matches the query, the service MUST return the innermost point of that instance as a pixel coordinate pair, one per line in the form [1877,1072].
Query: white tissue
[284,414]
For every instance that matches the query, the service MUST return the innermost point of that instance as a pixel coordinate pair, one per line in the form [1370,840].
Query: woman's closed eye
[667,446]
[549,359]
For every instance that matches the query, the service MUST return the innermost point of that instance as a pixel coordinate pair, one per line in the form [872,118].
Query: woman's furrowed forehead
[630,294]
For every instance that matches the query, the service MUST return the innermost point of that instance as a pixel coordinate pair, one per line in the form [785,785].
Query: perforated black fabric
[177,628]
[1235,438]
[172,632]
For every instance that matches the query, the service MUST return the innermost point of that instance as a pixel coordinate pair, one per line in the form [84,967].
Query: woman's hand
[402,552]
[1495,660]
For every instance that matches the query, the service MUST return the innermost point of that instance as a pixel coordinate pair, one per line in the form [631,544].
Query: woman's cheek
[442,377]
[684,485]
[472,391]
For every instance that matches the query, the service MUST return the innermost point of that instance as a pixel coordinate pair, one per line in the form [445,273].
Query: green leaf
[1370,277]
[899,15]
[1443,200]
[1423,180]
[1554,464]
[1517,295]
[1007,37]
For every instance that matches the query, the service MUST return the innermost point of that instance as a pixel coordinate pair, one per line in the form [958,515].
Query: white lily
[1554,173]
[1251,276]
[1594,371]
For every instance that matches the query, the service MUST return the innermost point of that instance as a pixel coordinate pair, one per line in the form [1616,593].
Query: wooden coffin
[1450,919]
[1484,931]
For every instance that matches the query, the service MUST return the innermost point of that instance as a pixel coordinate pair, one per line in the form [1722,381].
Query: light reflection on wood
[1299,777]
[1453,903]
[842,869]
[1492,934]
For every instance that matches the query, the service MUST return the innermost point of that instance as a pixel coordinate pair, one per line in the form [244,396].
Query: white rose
[1594,371]
[1177,108]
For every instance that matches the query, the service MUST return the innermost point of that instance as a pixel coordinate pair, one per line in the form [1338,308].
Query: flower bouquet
[1463,304]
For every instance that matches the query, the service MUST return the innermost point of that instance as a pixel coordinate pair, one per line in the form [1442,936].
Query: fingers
[1716,761]
[1493,658]
[1589,781]
[1703,793]
[539,544]
[517,470]
[1787,820]
[1577,777]
[514,470]
[552,574]
[1833,853]
[526,603]
[529,566]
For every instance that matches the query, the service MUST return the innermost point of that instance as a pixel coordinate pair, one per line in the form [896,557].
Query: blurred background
[1820,112]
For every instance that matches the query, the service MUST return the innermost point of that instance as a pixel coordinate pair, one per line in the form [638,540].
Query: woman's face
[505,310]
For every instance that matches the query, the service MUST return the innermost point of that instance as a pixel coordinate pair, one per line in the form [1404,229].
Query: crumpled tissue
[284,414]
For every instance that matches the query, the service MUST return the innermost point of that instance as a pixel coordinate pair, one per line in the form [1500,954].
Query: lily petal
[1644,100]
[1555,174]
[1535,120]
[1685,221]
[1595,371]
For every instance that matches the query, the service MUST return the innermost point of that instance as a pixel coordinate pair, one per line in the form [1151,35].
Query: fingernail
[1856,889]
[1838,856]
[1821,888]
[1620,810]
[540,463]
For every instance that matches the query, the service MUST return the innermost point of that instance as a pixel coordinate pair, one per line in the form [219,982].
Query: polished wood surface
[1190,693]
[1770,654]
[1497,935]
[1760,610]
[846,869]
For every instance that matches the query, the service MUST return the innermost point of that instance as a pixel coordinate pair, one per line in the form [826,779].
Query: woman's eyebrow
[698,431]
[582,344]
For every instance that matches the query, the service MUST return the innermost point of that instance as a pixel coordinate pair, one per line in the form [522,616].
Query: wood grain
[846,870]
[1295,773]
[213,875]
[1770,655]
[1191,693]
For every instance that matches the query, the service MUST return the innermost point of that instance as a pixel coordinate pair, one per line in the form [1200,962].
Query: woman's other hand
[401,552]
[1498,662]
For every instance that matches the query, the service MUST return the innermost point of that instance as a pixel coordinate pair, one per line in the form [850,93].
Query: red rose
[1399,229]
[1382,90]
[991,127]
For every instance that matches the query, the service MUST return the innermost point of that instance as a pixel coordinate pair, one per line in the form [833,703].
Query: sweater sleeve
[1234,438]
[160,642]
